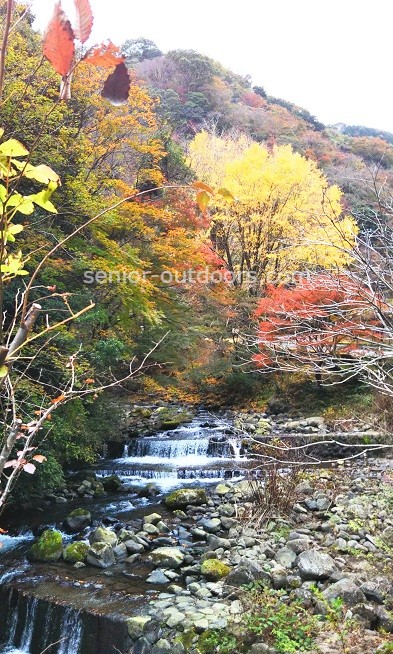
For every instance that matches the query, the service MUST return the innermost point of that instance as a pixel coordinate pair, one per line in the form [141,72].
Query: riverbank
[231,570]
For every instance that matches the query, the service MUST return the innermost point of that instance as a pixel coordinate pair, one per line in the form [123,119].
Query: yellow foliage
[285,218]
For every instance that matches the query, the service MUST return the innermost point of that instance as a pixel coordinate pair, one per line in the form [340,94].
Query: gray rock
[286,557]
[313,564]
[211,526]
[377,590]
[103,535]
[152,519]
[120,552]
[100,555]
[298,545]
[167,557]
[133,547]
[157,577]
[215,543]
[77,520]
[347,590]
[246,574]
[162,647]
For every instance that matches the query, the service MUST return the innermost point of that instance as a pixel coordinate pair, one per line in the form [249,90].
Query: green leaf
[42,199]
[3,193]
[3,372]
[203,200]
[42,173]
[15,229]
[12,148]
[23,204]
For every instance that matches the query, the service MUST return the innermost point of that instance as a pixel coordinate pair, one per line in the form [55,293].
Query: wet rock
[185,497]
[48,548]
[245,574]
[152,530]
[316,565]
[212,526]
[162,647]
[133,547]
[77,520]
[112,483]
[100,555]
[167,557]
[120,551]
[223,489]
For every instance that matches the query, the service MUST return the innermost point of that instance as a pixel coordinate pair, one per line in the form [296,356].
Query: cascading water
[71,633]
[193,452]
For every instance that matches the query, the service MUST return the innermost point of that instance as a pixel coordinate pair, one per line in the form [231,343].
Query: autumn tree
[327,325]
[284,218]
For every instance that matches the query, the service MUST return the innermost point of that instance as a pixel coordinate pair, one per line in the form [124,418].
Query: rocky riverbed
[216,568]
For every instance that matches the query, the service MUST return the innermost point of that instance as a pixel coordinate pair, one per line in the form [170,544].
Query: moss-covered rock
[213,569]
[171,417]
[112,483]
[102,535]
[76,553]
[48,548]
[185,496]
[77,520]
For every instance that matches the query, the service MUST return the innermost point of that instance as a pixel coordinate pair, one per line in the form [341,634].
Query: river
[63,610]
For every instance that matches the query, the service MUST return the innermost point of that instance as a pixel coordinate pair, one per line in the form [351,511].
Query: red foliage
[321,316]
[58,45]
[252,99]
[84,20]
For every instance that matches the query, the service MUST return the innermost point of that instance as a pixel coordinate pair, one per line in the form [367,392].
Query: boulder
[102,535]
[167,557]
[77,520]
[112,484]
[345,589]
[48,548]
[100,555]
[316,565]
[186,496]
[76,552]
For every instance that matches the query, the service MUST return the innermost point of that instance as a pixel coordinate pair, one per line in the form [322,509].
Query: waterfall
[27,634]
[236,448]
[196,451]
[71,633]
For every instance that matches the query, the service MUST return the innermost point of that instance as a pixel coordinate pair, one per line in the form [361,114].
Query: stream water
[62,610]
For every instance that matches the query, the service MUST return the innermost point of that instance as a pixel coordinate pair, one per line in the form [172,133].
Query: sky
[332,57]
